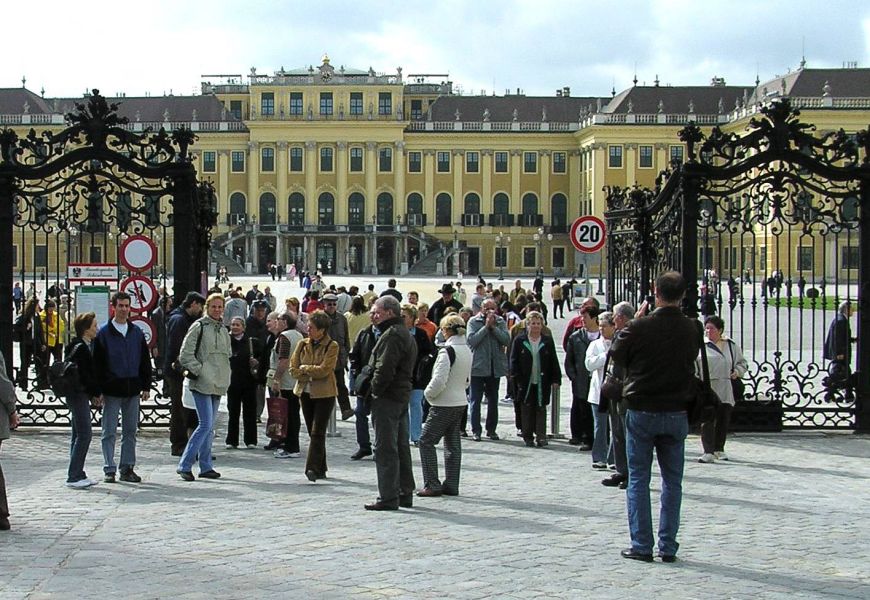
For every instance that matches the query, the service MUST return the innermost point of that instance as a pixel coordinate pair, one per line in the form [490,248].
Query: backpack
[423,374]
[63,376]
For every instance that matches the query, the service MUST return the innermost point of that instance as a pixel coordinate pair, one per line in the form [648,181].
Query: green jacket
[393,358]
[211,364]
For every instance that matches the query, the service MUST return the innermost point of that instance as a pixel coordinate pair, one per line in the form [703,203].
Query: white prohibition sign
[147,328]
[138,253]
[588,234]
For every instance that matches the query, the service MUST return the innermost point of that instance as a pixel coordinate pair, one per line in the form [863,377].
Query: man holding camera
[488,337]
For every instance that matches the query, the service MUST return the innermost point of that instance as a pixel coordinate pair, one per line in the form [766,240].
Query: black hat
[261,304]
[447,289]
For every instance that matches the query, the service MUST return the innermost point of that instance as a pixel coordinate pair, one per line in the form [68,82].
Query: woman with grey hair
[596,358]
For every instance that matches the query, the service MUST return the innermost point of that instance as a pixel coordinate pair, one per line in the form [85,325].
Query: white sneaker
[230,447]
[251,446]
[285,454]
[720,456]
[80,484]
[295,454]
[707,458]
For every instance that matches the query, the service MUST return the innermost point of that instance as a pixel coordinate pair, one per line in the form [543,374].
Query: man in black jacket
[393,359]
[440,306]
[360,353]
[180,419]
[658,354]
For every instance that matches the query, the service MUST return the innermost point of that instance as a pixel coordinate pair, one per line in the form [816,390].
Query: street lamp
[500,240]
[539,241]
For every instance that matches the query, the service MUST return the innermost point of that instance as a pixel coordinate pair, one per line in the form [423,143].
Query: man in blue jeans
[359,356]
[657,353]
[488,337]
[123,368]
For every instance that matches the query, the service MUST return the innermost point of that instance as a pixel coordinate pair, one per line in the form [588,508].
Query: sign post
[588,235]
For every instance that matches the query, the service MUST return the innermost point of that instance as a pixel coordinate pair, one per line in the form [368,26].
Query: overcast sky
[537,45]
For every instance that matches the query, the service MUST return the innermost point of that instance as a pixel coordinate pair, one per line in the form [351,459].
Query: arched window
[472,204]
[414,210]
[501,204]
[326,209]
[385,208]
[443,209]
[238,209]
[530,204]
[296,205]
[559,215]
[356,209]
[267,209]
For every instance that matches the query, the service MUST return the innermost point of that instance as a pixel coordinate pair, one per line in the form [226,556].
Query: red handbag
[276,424]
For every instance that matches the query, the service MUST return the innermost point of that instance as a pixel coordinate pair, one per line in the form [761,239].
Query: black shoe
[273,445]
[632,555]
[4,524]
[613,481]
[623,484]
[446,491]
[130,477]
[177,452]
[347,414]
[574,442]
[493,436]
[109,478]
[210,474]
[475,437]
[668,558]
[406,500]
[311,475]
[379,505]
[584,447]
[361,453]
[530,443]
[186,475]
[463,433]
[542,443]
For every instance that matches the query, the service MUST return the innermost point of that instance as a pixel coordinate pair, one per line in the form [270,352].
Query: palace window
[325,103]
[385,160]
[296,206]
[677,154]
[326,209]
[238,161]
[415,162]
[209,160]
[559,164]
[296,159]
[645,157]
[614,160]
[805,258]
[417,110]
[501,162]
[530,257]
[356,103]
[530,162]
[472,162]
[443,160]
[443,209]
[326,156]
[267,103]
[356,207]
[356,159]
[385,103]
[267,160]
[236,109]
[295,103]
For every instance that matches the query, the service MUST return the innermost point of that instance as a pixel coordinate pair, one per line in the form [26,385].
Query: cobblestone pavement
[785,518]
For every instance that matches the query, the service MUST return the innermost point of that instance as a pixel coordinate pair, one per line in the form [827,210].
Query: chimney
[566,91]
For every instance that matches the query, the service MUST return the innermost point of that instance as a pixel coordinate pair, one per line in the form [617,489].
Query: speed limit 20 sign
[588,234]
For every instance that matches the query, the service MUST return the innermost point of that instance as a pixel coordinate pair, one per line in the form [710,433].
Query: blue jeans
[481,386]
[666,433]
[129,412]
[202,437]
[415,415]
[82,433]
[601,439]
[363,437]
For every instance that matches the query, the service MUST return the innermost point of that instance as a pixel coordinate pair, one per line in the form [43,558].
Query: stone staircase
[218,256]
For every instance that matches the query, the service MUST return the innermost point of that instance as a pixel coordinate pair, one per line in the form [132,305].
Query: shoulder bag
[737,386]
[704,402]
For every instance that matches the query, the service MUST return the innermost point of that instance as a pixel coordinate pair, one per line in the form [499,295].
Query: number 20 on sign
[588,234]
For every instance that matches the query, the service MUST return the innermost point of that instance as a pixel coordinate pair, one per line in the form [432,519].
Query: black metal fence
[770,228]
[74,196]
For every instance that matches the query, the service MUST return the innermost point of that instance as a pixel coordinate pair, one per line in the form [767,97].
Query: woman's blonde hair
[212,297]
[453,323]
[410,310]
[533,314]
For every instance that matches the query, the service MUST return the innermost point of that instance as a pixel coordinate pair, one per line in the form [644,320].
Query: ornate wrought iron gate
[74,196]
[772,231]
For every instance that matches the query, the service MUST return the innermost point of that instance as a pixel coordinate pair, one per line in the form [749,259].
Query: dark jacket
[77,351]
[575,363]
[338,332]
[240,366]
[439,307]
[425,346]
[838,339]
[362,349]
[393,358]
[256,328]
[521,369]
[122,363]
[658,353]
[176,328]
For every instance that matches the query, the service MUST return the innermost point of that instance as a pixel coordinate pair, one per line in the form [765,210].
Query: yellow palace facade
[386,173]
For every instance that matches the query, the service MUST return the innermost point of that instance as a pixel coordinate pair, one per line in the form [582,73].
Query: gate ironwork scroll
[73,196]
[771,229]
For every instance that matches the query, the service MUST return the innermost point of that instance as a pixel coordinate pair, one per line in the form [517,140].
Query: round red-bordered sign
[588,234]
[143,293]
[138,253]
[147,327]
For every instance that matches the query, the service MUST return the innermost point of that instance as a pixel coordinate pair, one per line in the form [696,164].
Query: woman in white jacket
[596,357]
[446,395]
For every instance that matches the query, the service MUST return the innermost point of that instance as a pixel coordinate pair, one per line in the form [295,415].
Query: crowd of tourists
[419,372]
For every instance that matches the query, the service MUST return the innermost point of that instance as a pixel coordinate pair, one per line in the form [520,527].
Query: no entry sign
[588,234]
